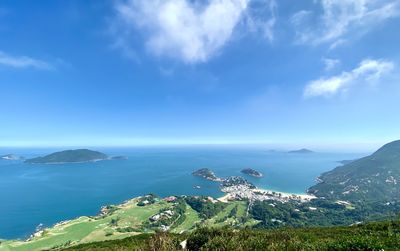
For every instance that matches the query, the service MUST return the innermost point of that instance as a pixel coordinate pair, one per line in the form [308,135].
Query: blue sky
[321,74]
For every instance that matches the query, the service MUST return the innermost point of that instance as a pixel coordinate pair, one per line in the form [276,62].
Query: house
[170,199]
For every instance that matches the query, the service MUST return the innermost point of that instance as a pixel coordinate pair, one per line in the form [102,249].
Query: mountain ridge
[374,177]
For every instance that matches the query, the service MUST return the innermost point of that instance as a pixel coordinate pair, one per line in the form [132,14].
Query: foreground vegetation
[371,236]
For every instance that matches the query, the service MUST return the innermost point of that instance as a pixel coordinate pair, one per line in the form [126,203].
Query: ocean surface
[33,194]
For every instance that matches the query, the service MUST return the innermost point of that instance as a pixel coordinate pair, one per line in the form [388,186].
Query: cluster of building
[242,192]
[167,214]
[164,215]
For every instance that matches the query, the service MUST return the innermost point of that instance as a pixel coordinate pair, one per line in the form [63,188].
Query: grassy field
[227,217]
[192,217]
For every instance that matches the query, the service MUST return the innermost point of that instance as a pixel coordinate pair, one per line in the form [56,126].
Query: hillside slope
[372,236]
[372,178]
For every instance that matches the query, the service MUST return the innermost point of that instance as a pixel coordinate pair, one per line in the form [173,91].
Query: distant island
[10,157]
[119,158]
[69,156]
[207,174]
[301,151]
[252,172]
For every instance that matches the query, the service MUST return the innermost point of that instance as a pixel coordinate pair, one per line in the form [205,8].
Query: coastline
[253,193]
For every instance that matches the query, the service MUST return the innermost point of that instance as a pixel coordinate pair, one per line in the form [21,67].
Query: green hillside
[372,178]
[146,214]
[69,156]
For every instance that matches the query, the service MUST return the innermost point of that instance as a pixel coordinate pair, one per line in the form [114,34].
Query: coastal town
[244,192]
[238,188]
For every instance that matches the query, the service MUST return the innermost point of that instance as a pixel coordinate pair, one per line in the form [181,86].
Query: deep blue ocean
[46,194]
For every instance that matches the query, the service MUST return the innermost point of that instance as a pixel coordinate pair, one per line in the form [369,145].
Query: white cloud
[368,71]
[259,21]
[186,29]
[23,62]
[339,18]
[330,63]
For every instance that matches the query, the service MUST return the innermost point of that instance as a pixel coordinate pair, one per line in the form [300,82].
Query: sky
[317,73]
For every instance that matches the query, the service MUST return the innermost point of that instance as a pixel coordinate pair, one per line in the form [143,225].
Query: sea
[33,195]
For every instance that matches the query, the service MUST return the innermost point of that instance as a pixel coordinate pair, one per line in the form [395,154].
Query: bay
[33,194]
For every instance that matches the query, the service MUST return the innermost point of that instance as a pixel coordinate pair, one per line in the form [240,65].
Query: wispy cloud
[261,18]
[188,30]
[339,18]
[368,71]
[23,62]
[330,63]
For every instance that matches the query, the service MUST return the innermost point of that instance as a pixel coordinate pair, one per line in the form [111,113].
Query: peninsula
[69,156]
[10,157]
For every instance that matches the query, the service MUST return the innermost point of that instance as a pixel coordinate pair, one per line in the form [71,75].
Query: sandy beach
[271,195]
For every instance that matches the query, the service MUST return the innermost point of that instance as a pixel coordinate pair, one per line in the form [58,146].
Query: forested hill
[372,178]
[69,156]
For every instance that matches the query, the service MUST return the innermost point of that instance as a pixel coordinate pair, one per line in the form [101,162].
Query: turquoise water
[46,194]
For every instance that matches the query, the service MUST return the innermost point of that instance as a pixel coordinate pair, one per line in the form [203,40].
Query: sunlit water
[45,194]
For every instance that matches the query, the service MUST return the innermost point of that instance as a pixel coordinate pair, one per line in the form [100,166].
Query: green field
[224,218]
[192,217]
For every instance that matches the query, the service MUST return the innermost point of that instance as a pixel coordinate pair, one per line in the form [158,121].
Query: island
[10,157]
[119,158]
[252,172]
[69,156]
[207,174]
[302,151]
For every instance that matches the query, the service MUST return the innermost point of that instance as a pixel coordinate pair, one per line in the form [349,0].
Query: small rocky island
[10,157]
[252,172]
[302,151]
[206,174]
[69,156]
[119,158]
